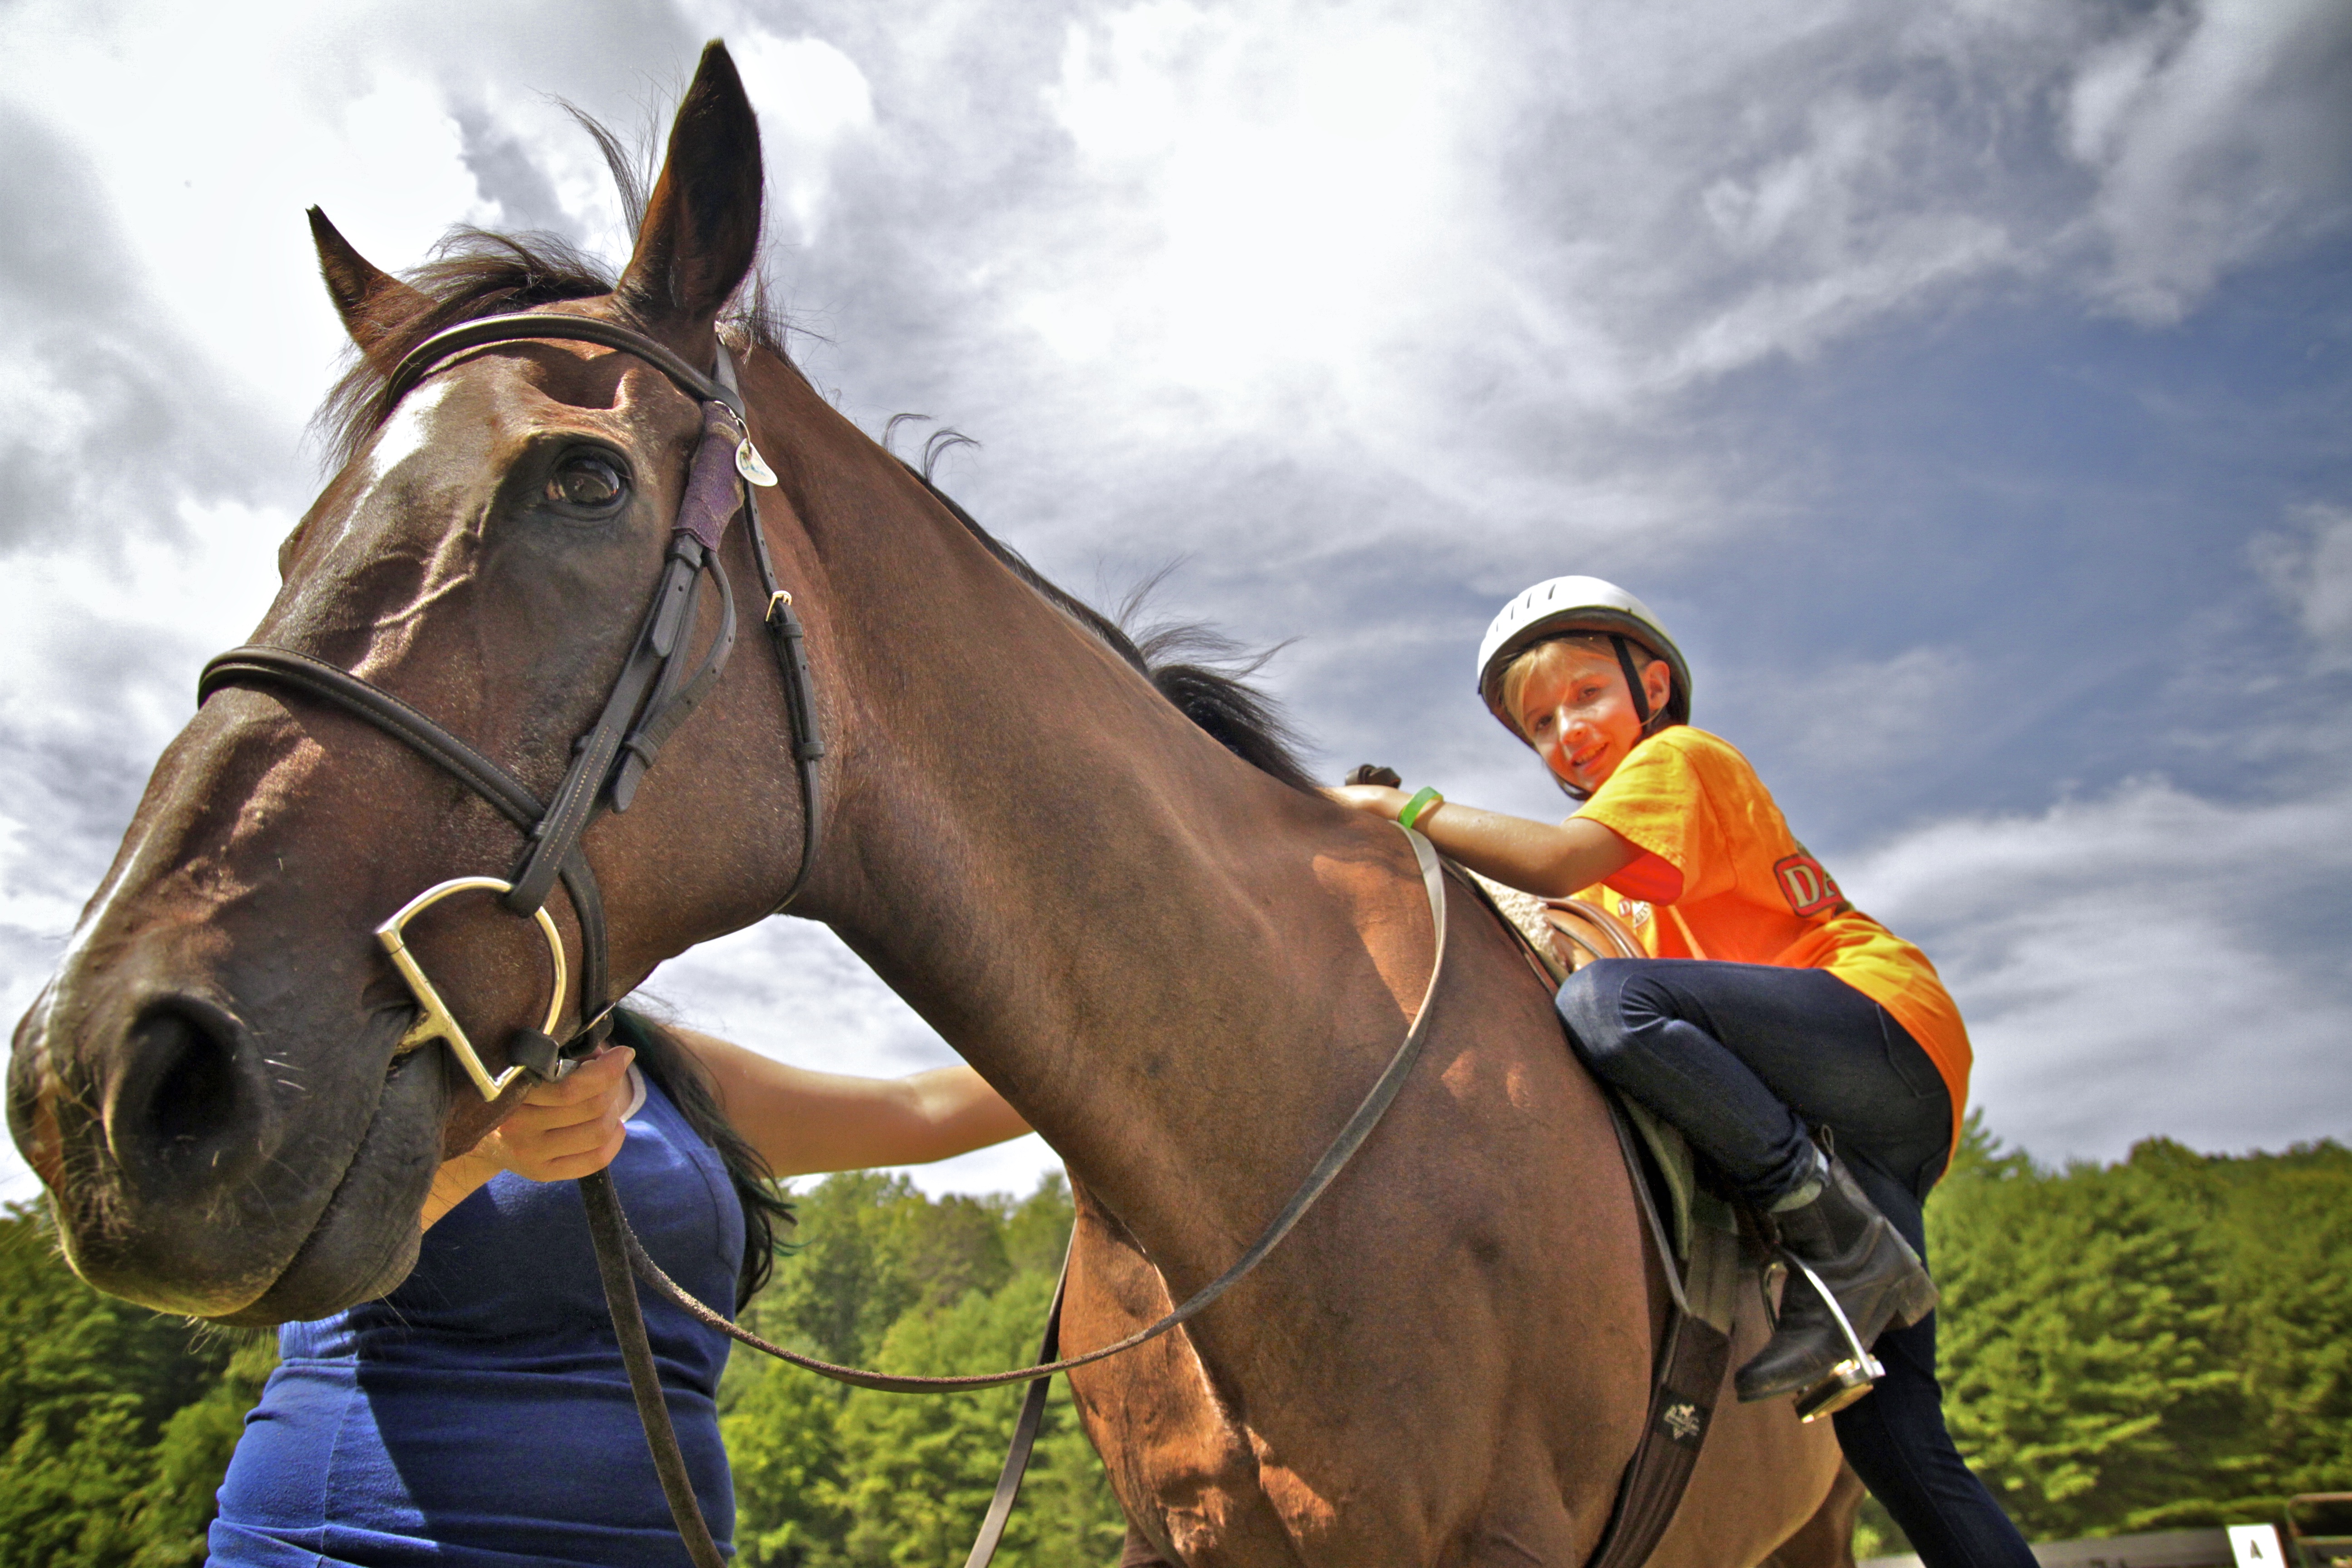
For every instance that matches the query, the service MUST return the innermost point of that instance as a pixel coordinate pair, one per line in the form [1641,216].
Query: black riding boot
[1878,1283]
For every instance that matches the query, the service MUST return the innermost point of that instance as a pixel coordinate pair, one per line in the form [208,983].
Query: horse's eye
[585,481]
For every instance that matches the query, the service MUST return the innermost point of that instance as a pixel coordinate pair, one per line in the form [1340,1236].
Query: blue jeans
[1742,1057]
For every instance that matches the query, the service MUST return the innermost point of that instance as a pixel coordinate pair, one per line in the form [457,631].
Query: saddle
[1698,1236]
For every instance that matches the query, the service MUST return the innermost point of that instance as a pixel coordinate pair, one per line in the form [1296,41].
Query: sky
[1965,384]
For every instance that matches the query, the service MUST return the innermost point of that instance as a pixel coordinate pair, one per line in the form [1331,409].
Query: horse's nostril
[183,1115]
[196,1092]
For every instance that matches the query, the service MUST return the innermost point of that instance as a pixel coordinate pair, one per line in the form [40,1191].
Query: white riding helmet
[1566,605]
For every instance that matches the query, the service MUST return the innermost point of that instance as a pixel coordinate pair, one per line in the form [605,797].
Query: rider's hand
[1378,799]
[561,1131]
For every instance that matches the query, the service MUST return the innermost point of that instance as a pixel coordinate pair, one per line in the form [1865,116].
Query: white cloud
[2148,962]
[2310,569]
[1859,718]
[1261,219]
[809,96]
[2218,131]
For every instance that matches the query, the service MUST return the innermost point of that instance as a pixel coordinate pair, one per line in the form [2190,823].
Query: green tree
[921,1468]
[2285,1221]
[2083,1343]
[112,1417]
[780,1442]
[870,1247]
[824,1480]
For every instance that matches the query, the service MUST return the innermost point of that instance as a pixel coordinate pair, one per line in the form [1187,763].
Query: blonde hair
[1597,644]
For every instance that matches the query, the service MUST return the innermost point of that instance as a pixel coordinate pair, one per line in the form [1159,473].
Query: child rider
[1768,1006]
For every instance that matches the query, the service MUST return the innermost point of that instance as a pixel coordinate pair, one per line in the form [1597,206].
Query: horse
[1174,957]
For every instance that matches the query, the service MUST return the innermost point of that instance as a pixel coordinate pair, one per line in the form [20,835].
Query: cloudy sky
[1968,385]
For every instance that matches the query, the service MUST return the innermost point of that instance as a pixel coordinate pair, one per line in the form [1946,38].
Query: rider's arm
[802,1121]
[1551,860]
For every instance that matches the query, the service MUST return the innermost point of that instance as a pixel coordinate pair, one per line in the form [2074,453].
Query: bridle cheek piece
[652,695]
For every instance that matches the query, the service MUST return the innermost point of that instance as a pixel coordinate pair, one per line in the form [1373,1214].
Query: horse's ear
[372,302]
[701,228]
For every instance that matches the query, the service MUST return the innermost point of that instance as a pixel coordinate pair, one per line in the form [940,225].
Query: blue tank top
[479,1415]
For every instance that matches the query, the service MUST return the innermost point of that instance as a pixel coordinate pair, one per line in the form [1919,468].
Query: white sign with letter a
[2256,1546]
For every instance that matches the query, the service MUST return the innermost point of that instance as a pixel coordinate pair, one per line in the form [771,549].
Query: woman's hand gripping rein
[561,1131]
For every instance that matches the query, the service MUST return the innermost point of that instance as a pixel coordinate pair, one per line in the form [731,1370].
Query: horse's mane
[1199,668]
[474,273]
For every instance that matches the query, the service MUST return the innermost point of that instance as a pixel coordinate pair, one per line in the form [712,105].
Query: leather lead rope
[1024,1429]
[644,1378]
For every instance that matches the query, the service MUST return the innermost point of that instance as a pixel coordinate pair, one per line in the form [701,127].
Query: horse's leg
[1763,1480]
[1138,1553]
[1177,1461]
[1827,1539]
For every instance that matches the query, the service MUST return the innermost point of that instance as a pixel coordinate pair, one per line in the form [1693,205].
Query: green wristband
[1419,804]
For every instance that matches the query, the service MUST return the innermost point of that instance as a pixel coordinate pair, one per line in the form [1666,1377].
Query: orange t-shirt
[1720,877]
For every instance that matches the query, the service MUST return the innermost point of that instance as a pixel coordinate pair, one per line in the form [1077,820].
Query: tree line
[2155,1344]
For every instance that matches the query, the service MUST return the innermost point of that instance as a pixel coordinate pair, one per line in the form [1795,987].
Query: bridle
[652,695]
[651,698]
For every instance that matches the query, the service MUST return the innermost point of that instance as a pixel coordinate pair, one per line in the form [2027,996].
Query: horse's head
[213,1085]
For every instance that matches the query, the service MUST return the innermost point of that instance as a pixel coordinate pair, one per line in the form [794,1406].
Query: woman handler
[1770,1006]
[480,1416]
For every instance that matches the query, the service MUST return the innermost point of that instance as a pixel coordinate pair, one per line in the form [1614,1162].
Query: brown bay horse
[1183,970]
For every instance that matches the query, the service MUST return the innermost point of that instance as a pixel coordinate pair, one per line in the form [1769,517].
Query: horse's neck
[1159,955]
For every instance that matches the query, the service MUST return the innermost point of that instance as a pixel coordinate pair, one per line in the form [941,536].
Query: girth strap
[1692,1353]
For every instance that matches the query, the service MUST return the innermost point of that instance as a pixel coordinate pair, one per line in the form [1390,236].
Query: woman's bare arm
[1551,860]
[802,1121]
[798,1120]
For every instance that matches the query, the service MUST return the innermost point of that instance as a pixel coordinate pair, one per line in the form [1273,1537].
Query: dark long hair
[664,1060]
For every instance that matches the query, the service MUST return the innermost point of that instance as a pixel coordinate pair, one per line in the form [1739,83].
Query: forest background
[2159,1343]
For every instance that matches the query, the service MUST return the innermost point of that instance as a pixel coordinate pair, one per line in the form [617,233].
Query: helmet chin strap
[1632,682]
[1641,711]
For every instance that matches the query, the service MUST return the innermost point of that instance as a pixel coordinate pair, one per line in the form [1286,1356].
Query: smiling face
[1571,703]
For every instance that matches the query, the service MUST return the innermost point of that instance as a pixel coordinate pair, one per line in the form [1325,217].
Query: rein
[651,698]
[1342,1148]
